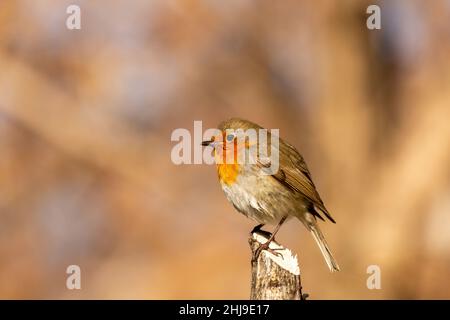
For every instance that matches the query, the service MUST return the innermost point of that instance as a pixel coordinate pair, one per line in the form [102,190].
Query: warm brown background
[85,123]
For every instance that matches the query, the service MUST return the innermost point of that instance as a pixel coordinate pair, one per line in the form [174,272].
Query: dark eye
[230,137]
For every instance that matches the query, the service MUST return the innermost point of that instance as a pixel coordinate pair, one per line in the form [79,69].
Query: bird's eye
[230,137]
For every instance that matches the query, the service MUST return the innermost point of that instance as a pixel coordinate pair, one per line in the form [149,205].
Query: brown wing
[294,174]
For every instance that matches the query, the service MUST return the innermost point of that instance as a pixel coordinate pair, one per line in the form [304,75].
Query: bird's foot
[265,246]
[257,228]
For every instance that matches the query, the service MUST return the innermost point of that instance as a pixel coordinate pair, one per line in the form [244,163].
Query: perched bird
[268,198]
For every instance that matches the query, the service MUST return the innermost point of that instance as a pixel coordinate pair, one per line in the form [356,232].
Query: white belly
[263,207]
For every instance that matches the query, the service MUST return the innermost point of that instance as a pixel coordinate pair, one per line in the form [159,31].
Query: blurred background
[86,117]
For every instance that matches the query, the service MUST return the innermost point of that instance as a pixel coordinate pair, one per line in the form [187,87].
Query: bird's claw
[265,246]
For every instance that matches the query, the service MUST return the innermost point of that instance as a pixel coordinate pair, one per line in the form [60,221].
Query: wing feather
[294,174]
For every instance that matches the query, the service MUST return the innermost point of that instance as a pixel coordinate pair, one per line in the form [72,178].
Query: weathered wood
[274,276]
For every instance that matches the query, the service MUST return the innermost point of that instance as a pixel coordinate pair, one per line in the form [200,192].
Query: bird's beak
[207,142]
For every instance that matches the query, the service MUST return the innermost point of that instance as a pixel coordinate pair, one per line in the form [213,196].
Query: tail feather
[322,243]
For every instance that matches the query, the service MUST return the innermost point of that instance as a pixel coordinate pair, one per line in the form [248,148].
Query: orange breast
[228,172]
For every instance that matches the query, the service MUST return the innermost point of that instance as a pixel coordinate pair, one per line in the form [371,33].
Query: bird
[268,197]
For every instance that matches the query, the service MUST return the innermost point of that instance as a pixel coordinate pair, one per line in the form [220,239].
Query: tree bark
[275,275]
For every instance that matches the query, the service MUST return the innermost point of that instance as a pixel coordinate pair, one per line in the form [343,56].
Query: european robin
[268,198]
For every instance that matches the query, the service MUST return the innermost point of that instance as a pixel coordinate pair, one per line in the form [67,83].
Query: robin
[269,198]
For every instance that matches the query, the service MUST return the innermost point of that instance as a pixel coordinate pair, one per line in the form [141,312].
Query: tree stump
[274,276]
